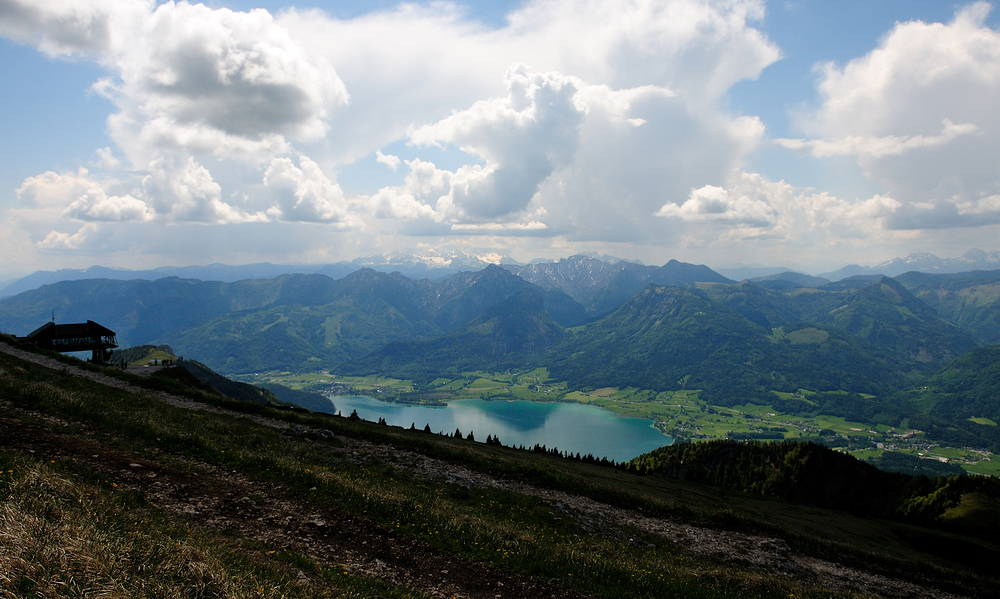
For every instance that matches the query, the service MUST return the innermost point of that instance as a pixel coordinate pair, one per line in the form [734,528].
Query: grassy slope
[513,532]
[69,537]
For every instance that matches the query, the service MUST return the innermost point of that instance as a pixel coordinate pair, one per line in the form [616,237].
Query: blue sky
[805,134]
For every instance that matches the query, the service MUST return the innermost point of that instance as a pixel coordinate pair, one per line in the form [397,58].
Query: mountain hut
[87,336]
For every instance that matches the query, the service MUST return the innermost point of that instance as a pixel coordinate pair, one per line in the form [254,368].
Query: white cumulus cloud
[59,240]
[716,204]
[63,27]
[750,206]
[221,82]
[179,189]
[919,112]
[51,190]
[304,193]
[621,111]
[522,137]
[95,204]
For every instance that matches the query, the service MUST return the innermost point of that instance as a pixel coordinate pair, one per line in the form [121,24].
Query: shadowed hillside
[120,489]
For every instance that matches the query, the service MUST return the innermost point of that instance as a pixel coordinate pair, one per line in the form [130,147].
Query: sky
[807,134]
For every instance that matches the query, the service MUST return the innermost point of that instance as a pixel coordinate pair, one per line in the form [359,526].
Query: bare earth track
[265,513]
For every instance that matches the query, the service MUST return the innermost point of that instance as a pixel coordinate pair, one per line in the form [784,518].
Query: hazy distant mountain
[851,270]
[789,280]
[602,285]
[432,264]
[211,272]
[429,264]
[48,277]
[578,276]
[630,281]
[143,311]
[971,300]
[851,282]
[746,273]
[974,259]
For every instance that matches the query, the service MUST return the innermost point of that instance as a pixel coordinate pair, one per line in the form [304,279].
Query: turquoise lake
[570,427]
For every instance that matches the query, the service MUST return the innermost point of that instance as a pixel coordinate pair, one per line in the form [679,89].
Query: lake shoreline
[567,426]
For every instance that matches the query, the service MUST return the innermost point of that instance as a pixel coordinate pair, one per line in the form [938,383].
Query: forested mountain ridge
[962,401]
[970,300]
[601,286]
[888,315]
[757,304]
[139,311]
[862,336]
[666,338]
[669,338]
[814,474]
[508,335]
[882,312]
[463,297]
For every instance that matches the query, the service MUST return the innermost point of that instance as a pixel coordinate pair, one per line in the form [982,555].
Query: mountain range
[436,265]
[591,321]
[428,264]
[974,259]
[862,345]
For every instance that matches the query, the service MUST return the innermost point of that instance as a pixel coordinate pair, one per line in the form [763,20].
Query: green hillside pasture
[807,335]
[142,354]
[534,385]
[485,384]
[375,383]
[331,330]
[972,461]
[320,381]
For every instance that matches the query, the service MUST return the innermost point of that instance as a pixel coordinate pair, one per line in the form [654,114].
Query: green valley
[863,364]
[681,414]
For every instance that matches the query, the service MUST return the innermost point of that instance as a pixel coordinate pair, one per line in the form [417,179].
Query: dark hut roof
[51,330]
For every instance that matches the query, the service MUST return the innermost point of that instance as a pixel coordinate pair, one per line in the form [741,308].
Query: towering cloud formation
[304,193]
[188,81]
[581,121]
[919,113]
[219,82]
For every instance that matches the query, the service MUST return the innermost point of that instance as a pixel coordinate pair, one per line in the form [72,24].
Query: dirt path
[265,513]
